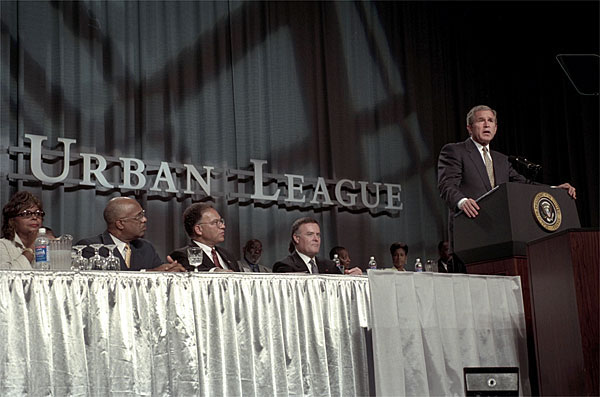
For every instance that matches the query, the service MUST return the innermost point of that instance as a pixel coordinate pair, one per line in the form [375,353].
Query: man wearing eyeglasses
[304,247]
[206,228]
[125,226]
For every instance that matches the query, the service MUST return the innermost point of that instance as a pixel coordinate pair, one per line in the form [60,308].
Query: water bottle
[372,263]
[42,250]
[337,262]
[418,266]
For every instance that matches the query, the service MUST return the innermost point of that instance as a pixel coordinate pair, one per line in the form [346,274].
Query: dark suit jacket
[294,264]
[462,174]
[180,255]
[143,254]
[455,265]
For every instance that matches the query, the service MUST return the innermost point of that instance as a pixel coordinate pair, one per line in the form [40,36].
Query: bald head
[125,218]
[118,208]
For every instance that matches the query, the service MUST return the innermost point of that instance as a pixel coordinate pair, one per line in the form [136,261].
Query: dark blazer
[294,264]
[143,254]
[462,174]
[180,255]
[455,265]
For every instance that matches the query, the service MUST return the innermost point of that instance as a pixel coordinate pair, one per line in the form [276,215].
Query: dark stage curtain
[365,91]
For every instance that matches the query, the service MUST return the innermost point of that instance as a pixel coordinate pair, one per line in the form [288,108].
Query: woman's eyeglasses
[30,214]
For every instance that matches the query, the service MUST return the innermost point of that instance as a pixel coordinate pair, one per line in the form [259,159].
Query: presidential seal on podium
[547,211]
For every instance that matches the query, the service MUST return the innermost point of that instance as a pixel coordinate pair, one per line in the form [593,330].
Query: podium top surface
[511,216]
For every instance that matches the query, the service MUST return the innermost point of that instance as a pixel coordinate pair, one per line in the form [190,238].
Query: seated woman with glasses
[22,216]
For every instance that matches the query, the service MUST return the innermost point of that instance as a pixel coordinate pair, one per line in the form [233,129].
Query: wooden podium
[495,242]
[563,274]
[507,222]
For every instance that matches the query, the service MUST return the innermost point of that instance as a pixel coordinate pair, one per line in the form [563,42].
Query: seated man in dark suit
[206,229]
[448,262]
[125,226]
[304,247]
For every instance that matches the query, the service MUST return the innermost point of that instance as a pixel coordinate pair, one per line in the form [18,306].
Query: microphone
[524,162]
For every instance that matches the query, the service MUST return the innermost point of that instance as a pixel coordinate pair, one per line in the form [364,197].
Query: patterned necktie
[489,167]
[127,255]
[313,266]
[215,258]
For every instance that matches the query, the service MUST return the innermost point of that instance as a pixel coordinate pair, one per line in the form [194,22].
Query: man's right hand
[355,271]
[171,266]
[220,270]
[470,208]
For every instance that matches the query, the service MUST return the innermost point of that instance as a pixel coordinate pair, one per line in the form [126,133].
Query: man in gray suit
[252,252]
[125,226]
[467,170]
[206,229]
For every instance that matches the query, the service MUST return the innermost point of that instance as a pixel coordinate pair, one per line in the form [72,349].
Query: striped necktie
[313,266]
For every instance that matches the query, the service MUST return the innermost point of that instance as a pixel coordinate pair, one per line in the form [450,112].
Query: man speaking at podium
[469,169]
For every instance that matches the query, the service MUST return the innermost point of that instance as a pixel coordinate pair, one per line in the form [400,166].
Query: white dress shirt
[208,251]
[120,245]
[306,260]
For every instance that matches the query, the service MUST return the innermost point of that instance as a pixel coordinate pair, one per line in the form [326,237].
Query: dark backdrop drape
[367,91]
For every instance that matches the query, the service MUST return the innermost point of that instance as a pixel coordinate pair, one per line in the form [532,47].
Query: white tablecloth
[128,333]
[428,326]
[95,333]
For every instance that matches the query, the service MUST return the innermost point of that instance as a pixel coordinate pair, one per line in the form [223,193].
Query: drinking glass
[66,242]
[112,262]
[96,262]
[78,262]
[429,265]
[195,255]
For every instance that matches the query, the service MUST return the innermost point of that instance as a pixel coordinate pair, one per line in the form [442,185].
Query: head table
[82,333]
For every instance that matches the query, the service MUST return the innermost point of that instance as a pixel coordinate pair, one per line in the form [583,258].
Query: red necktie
[216,258]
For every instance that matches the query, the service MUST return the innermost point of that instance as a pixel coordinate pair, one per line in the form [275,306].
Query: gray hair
[295,226]
[478,108]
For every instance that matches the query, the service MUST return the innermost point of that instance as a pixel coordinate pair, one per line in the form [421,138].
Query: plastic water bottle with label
[372,263]
[337,262]
[418,266]
[42,250]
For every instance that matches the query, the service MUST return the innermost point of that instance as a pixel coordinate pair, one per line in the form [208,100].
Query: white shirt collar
[207,250]
[18,241]
[120,245]
[480,146]
[480,149]
[306,260]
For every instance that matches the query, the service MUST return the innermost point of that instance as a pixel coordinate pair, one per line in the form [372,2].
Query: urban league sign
[95,170]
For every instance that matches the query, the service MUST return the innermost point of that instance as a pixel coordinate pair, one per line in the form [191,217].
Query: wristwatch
[28,250]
